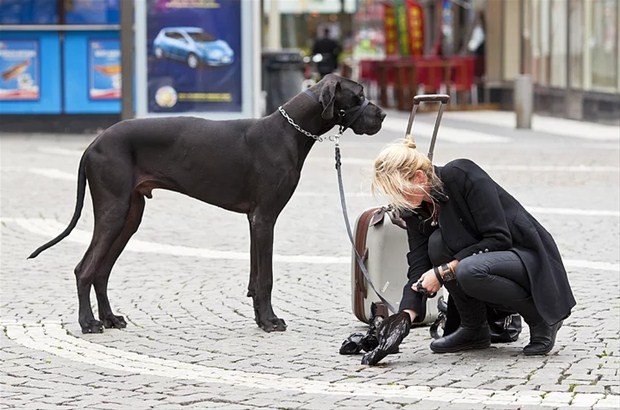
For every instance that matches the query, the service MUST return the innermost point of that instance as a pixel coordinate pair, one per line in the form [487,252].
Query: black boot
[463,339]
[473,332]
[542,335]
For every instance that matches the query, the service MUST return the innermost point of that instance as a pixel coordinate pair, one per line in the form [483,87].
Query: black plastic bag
[358,342]
[390,335]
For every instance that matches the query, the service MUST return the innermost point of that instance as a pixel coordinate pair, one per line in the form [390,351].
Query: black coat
[477,215]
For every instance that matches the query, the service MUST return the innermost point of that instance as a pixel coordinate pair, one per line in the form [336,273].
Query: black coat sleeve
[417,257]
[419,262]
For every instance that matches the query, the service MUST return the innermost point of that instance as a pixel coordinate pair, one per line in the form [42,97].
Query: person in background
[468,234]
[329,51]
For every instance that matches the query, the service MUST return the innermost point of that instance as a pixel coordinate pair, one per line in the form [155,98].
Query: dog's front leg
[261,272]
[253,267]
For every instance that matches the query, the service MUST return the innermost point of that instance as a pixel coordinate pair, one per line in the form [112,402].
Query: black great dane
[250,166]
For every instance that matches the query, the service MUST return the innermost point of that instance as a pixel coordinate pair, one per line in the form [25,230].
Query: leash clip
[336,138]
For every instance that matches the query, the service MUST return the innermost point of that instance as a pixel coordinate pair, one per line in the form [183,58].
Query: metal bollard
[524,101]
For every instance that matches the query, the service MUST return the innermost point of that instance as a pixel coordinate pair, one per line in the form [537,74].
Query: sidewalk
[191,341]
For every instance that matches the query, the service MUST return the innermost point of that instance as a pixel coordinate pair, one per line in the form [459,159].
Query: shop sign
[415,20]
[391,30]
[104,70]
[402,27]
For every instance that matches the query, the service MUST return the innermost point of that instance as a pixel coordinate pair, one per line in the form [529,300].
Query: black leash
[358,258]
[346,118]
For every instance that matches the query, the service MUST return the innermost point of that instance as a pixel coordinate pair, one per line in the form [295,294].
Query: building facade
[570,48]
[50,50]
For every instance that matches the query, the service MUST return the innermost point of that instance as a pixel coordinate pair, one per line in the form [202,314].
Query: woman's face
[416,197]
[418,194]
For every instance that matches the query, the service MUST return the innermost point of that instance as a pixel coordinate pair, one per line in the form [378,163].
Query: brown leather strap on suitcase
[361,291]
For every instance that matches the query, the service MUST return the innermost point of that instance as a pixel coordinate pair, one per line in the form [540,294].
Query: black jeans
[496,278]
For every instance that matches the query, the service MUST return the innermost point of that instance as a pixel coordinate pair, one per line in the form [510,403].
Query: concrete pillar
[524,100]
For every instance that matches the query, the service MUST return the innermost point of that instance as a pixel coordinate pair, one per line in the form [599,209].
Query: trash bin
[282,76]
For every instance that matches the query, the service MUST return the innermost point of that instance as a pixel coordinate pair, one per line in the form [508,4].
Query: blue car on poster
[193,46]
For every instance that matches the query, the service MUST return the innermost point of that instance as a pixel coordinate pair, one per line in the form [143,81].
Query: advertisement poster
[194,56]
[104,69]
[19,70]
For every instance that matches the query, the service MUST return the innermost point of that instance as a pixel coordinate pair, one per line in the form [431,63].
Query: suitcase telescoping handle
[417,100]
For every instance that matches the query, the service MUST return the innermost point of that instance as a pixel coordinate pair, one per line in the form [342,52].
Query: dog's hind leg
[261,273]
[134,217]
[111,196]
[92,266]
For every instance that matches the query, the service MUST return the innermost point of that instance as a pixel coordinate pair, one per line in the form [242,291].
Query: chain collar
[297,127]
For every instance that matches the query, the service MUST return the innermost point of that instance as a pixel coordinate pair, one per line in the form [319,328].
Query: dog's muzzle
[347,117]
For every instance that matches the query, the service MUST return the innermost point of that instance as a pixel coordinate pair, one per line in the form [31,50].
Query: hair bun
[410,142]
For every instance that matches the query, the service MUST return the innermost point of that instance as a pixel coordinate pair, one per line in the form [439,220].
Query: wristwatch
[447,272]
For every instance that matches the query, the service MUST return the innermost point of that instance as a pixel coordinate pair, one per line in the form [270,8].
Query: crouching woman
[468,234]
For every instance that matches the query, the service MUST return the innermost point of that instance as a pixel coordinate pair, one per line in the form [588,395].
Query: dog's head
[344,100]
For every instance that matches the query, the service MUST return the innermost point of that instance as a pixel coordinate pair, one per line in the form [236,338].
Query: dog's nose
[382,114]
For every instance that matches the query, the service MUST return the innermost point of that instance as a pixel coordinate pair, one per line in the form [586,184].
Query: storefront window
[28,12]
[59,12]
[369,30]
[540,41]
[576,40]
[603,45]
[91,11]
[527,63]
[558,43]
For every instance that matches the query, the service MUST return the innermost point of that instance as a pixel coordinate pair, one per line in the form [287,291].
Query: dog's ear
[327,98]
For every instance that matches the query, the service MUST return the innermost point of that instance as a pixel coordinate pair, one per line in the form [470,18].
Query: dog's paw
[273,325]
[115,322]
[92,326]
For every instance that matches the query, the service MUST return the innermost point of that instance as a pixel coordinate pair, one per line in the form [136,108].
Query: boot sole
[483,344]
[537,352]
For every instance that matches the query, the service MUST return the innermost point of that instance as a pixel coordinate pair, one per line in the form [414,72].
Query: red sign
[391,31]
[415,20]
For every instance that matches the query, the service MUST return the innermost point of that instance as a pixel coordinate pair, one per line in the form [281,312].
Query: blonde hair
[394,168]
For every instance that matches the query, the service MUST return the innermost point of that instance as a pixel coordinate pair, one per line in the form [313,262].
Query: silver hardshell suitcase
[383,246]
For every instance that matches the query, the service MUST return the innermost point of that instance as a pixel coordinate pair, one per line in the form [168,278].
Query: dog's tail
[79,204]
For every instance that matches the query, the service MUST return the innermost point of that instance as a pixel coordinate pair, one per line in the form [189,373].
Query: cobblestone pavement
[191,341]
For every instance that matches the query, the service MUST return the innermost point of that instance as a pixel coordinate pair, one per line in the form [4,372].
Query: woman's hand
[429,281]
